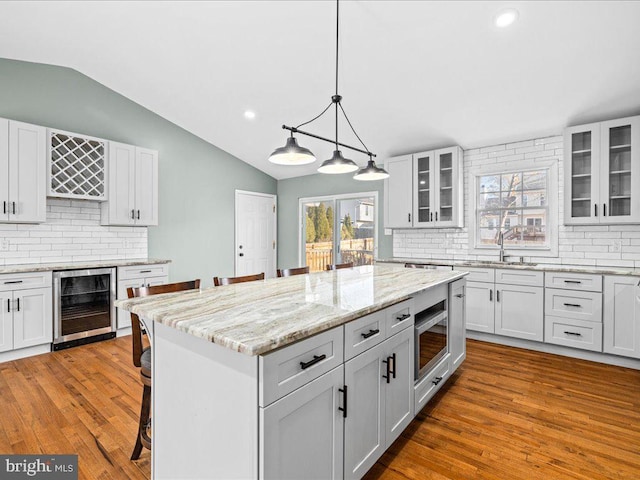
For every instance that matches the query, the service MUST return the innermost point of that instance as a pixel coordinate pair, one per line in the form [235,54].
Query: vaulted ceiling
[414,74]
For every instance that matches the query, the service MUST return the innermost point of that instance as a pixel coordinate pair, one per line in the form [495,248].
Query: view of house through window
[338,230]
[515,204]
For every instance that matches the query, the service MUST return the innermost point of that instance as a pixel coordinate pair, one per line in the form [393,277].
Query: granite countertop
[257,317]
[540,267]
[45,267]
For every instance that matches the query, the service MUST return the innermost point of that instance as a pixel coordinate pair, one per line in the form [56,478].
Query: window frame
[548,250]
[332,199]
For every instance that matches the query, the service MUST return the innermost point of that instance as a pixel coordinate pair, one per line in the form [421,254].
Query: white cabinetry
[138,276]
[425,190]
[621,315]
[602,172]
[23,172]
[132,186]
[457,322]
[26,305]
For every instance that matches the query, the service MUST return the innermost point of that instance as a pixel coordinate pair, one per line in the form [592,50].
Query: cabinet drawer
[429,298]
[478,274]
[284,370]
[430,384]
[19,281]
[399,317]
[364,333]
[585,306]
[143,271]
[573,281]
[520,277]
[573,333]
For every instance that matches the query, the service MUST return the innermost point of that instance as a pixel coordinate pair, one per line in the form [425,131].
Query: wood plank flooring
[507,414]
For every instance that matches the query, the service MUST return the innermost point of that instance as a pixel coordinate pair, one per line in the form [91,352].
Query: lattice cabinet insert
[77,166]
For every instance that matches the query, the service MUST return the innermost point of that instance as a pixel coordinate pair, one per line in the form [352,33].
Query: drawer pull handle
[18,302]
[572,281]
[371,333]
[459,295]
[403,317]
[4,207]
[133,214]
[491,295]
[316,359]
[343,409]
[393,372]
[145,271]
[8,305]
[14,207]
[13,281]
[572,305]
[497,295]
[573,333]
[437,380]
[387,362]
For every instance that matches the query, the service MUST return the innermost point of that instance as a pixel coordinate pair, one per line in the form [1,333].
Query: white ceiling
[414,75]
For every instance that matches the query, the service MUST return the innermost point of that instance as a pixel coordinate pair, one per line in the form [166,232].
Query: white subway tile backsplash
[590,245]
[72,232]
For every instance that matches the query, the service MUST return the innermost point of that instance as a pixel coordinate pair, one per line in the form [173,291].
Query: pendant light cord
[316,117]
[337,53]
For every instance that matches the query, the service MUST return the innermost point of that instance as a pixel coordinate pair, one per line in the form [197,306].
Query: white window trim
[553,201]
[326,198]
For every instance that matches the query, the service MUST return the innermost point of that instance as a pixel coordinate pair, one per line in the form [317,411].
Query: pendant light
[294,154]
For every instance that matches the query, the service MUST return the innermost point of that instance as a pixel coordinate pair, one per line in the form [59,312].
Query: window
[516,204]
[338,229]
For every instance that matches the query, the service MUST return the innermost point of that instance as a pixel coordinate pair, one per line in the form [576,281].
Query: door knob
[241,254]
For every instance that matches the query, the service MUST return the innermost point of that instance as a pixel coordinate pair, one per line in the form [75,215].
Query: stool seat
[145,362]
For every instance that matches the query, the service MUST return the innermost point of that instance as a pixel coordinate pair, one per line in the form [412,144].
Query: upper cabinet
[602,172]
[132,186]
[23,175]
[77,166]
[424,190]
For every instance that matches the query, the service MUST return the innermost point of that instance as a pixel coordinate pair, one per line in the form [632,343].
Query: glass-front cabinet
[602,172]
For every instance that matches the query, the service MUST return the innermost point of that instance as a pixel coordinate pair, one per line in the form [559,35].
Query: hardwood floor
[507,414]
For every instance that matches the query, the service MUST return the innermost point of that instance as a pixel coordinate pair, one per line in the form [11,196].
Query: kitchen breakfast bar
[309,376]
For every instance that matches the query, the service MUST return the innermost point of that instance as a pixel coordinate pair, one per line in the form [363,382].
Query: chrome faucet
[501,243]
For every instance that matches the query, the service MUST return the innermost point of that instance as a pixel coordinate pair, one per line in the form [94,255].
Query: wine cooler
[83,306]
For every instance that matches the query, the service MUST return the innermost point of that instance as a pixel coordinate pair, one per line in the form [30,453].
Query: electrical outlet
[4,244]
[616,246]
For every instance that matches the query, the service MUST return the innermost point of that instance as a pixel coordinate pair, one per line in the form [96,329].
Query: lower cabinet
[621,316]
[380,387]
[520,311]
[457,322]
[134,277]
[480,309]
[303,431]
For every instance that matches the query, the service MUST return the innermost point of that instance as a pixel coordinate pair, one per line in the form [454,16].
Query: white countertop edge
[46,267]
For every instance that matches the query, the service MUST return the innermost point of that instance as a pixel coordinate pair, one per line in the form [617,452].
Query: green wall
[197,179]
[292,189]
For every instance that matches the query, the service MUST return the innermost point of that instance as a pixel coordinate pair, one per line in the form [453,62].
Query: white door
[121,202]
[27,172]
[621,316]
[146,194]
[364,440]
[397,192]
[520,311]
[6,321]
[302,433]
[32,317]
[480,298]
[424,186]
[255,248]
[4,168]
[582,172]
[399,390]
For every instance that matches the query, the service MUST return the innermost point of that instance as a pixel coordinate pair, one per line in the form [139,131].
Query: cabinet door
[364,426]
[480,307]
[397,192]
[399,391]
[448,187]
[424,188]
[6,321]
[4,169]
[519,311]
[124,317]
[120,207]
[32,317]
[622,316]
[457,324]
[620,171]
[581,173]
[302,433]
[27,173]
[146,187]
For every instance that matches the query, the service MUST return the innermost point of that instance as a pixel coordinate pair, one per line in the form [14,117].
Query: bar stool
[217,281]
[288,272]
[142,359]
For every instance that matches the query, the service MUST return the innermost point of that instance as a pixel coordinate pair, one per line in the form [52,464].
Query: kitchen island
[310,376]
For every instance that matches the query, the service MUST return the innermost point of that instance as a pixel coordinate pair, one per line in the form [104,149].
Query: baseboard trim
[24,352]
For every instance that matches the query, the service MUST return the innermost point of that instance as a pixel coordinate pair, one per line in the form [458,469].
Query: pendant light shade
[338,164]
[292,154]
[371,172]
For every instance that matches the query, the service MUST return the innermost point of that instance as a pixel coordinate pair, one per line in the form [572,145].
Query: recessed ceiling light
[506,18]
[250,115]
